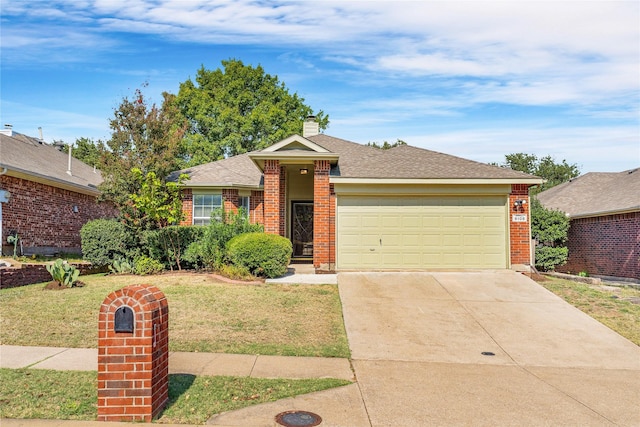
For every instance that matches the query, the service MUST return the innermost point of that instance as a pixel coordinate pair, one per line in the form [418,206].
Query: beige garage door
[421,232]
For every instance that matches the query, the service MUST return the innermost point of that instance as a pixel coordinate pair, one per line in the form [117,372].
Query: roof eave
[219,186]
[605,213]
[292,158]
[438,181]
[53,182]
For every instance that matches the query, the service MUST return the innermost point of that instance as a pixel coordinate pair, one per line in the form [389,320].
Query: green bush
[63,273]
[262,254]
[169,244]
[550,228]
[105,240]
[145,265]
[211,250]
[120,266]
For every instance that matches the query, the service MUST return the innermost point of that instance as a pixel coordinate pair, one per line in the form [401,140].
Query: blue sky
[476,79]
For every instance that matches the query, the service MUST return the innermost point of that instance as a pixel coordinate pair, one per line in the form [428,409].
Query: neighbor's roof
[595,194]
[356,161]
[33,159]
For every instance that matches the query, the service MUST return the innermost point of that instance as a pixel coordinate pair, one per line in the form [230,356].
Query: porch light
[304,171]
[519,204]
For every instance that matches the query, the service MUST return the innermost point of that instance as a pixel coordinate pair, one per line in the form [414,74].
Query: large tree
[545,167]
[144,137]
[238,109]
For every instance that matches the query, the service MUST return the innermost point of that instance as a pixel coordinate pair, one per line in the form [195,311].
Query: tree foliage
[237,109]
[86,150]
[545,167]
[386,144]
[144,137]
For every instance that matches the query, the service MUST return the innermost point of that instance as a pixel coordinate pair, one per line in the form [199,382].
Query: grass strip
[72,395]
[611,306]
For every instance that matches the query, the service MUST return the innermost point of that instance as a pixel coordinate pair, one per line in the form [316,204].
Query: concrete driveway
[417,342]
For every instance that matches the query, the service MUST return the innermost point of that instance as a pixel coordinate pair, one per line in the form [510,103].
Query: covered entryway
[418,232]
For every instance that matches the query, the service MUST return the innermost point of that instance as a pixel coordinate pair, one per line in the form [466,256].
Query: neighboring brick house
[347,206]
[47,196]
[604,213]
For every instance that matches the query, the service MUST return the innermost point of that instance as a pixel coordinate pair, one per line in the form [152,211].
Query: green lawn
[205,315]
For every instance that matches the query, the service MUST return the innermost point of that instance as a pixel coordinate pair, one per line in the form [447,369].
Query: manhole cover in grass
[298,419]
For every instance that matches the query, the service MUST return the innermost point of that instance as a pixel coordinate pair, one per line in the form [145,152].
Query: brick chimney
[310,127]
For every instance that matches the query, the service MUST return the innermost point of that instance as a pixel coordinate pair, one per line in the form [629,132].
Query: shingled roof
[33,159]
[595,194]
[356,161]
[406,162]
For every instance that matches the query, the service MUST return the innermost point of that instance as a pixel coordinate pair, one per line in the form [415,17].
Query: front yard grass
[616,307]
[205,315]
[73,395]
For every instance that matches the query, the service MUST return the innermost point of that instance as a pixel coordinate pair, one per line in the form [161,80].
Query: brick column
[520,232]
[283,200]
[133,354]
[272,196]
[321,214]
[332,229]
[187,206]
[230,199]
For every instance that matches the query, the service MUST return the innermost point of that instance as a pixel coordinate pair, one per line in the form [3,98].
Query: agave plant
[64,273]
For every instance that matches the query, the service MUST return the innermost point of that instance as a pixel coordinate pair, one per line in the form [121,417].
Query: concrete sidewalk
[212,364]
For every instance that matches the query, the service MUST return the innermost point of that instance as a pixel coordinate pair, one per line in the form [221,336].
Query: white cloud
[582,145]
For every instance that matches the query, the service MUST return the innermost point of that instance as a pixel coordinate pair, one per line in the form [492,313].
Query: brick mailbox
[133,354]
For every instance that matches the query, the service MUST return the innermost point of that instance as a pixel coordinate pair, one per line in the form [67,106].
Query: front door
[302,229]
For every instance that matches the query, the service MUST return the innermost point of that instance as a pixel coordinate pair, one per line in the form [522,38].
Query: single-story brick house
[604,213]
[46,196]
[347,206]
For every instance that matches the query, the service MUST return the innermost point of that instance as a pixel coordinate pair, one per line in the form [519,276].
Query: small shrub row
[230,244]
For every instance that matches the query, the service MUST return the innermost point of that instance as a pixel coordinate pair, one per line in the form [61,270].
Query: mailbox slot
[123,321]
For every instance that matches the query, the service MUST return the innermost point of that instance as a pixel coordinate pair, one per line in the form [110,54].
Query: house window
[203,206]
[244,205]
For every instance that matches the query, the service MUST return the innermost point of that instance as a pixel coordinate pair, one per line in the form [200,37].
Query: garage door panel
[421,232]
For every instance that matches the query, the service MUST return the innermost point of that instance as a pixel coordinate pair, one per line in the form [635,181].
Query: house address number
[519,218]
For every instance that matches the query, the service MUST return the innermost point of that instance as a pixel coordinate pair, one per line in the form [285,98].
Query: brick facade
[44,216]
[520,232]
[230,200]
[605,246]
[256,207]
[187,207]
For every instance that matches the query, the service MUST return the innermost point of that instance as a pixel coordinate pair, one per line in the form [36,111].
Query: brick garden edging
[28,274]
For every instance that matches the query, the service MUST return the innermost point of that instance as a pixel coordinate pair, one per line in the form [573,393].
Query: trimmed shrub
[551,228]
[262,254]
[168,245]
[104,240]
[211,250]
[145,265]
